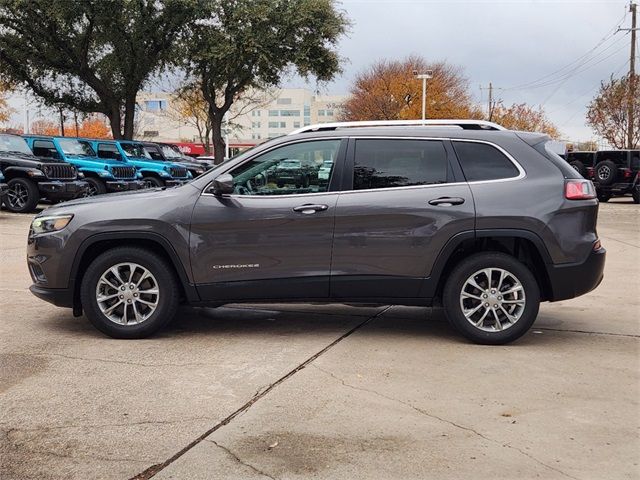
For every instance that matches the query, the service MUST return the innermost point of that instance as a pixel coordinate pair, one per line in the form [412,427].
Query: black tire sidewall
[98,184]
[612,177]
[456,280]
[578,166]
[153,180]
[167,285]
[635,194]
[33,195]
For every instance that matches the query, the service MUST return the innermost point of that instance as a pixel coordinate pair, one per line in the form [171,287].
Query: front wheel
[22,196]
[152,182]
[95,187]
[129,292]
[491,298]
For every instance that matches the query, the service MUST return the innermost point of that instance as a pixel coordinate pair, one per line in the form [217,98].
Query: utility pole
[491,102]
[424,77]
[632,73]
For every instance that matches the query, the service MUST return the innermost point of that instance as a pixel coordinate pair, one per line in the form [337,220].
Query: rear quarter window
[481,161]
[567,170]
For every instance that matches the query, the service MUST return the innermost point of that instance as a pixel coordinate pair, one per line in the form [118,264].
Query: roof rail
[464,124]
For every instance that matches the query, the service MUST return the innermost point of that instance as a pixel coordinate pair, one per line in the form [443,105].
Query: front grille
[59,171]
[124,172]
[178,172]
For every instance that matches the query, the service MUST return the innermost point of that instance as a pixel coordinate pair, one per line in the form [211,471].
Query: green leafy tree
[245,44]
[91,55]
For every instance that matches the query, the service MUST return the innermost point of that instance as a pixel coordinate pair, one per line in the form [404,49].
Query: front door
[408,199]
[272,237]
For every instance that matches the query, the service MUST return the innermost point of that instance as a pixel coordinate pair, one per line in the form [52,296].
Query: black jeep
[617,173]
[31,178]
[582,162]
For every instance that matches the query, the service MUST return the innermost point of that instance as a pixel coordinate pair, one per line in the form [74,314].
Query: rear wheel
[152,182]
[604,197]
[636,194]
[491,298]
[95,187]
[129,292]
[22,196]
[578,166]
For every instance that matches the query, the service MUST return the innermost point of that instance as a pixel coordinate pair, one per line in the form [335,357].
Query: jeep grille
[124,172]
[178,172]
[60,171]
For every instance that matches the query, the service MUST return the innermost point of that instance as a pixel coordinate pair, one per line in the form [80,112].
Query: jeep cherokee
[487,221]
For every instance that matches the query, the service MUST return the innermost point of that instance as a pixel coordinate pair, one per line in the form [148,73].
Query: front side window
[481,161]
[304,167]
[134,150]
[108,150]
[74,147]
[154,152]
[45,148]
[9,143]
[382,163]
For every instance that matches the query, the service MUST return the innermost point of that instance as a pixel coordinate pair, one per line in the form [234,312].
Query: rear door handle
[310,208]
[447,201]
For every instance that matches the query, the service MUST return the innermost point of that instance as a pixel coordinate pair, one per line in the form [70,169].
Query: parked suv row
[80,167]
[410,213]
[614,172]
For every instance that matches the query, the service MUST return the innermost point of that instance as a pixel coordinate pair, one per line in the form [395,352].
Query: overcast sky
[509,43]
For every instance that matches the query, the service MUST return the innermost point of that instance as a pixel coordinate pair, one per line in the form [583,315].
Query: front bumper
[573,280]
[124,185]
[56,189]
[60,297]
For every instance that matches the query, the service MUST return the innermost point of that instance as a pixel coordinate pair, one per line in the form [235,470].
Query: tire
[23,196]
[636,194]
[96,187]
[488,333]
[605,172]
[152,182]
[162,279]
[579,167]
[604,197]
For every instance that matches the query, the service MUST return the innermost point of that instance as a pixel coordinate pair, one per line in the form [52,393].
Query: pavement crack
[106,360]
[106,425]
[629,335]
[444,420]
[240,461]
[154,469]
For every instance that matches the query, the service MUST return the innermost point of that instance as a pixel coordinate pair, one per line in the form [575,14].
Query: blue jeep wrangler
[154,173]
[102,175]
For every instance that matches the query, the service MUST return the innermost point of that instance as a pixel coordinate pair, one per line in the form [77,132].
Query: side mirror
[223,184]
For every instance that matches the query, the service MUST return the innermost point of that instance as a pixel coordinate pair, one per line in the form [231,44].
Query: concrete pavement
[307,391]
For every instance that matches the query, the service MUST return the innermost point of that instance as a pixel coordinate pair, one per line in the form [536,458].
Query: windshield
[169,152]
[9,143]
[135,150]
[72,146]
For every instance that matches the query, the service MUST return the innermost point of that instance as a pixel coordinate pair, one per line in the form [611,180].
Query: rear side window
[382,163]
[481,161]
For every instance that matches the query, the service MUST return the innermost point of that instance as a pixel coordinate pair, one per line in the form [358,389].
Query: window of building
[155,105]
[480,161]
[150,133]
[296,124]
[399,163]
[255,113]
[274,113]
[321,113]
[255,124]
[274,135]
[283,101]
[256,136]
[290,113]
[329,113]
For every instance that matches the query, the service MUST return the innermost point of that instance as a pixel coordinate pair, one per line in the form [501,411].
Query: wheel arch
[101,242]
[18,172]
[524,245]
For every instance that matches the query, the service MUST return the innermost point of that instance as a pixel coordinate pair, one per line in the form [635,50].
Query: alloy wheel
[604,172]
[127,294]
[17,196]
[492,299]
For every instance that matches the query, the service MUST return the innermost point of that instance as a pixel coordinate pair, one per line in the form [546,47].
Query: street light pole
[424,77]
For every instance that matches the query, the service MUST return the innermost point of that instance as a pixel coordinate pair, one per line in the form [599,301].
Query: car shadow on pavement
[293,320]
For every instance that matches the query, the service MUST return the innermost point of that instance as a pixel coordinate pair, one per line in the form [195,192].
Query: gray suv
[484,221]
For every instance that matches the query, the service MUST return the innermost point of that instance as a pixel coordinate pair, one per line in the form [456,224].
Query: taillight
[590,172]
[627,173]
[579,190]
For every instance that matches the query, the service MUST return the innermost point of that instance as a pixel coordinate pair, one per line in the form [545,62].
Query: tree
[521,116]
[190,107]
[245,44]
[93,55]
[388,90]
[608,113]
[5,109]
[45,127]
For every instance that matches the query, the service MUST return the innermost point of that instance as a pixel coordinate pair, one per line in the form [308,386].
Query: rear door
[407,199]
[272,237]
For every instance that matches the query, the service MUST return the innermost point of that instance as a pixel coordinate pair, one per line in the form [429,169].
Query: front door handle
[308,209]
[447,201]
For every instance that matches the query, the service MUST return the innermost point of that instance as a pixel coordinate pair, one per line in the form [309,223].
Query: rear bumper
[124,185]
[60,297]
[63,190]
[573,280]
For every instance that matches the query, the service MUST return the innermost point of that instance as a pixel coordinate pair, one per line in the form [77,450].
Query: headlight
[35,173]
[164,174]
[104,173]
[51,223]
